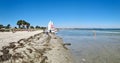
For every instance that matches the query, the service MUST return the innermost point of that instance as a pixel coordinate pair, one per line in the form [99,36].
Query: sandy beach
[7,37]
[33,47]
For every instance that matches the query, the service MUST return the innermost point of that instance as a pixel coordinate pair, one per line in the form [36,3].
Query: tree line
[6,27]
[22,24]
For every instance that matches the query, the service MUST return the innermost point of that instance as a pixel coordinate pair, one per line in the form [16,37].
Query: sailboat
[51,27]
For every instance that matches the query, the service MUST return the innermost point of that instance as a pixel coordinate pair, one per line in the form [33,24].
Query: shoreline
[38,48]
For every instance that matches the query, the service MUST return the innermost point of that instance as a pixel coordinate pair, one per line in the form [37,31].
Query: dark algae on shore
[40,48]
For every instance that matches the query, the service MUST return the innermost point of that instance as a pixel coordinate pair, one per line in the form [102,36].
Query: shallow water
[93,46]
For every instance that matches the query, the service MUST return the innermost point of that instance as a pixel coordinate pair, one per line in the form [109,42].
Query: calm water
[93,46]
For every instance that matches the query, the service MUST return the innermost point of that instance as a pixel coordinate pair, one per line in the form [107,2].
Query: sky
[64,13]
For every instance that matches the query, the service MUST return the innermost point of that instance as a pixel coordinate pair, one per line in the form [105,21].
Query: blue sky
[64,13]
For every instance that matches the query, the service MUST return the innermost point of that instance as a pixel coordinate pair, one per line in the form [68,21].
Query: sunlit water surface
[93,46]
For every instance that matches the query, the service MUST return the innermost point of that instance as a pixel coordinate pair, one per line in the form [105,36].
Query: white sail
[51,27]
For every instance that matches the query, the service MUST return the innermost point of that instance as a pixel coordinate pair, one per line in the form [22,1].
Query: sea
[93,45]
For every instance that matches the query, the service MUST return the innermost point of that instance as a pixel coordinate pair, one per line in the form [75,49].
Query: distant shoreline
[89,28]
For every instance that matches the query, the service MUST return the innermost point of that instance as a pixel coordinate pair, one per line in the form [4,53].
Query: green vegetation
[38,27]
[22,25]
[1,26]
[5,27]
[32,27]
[8,26]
